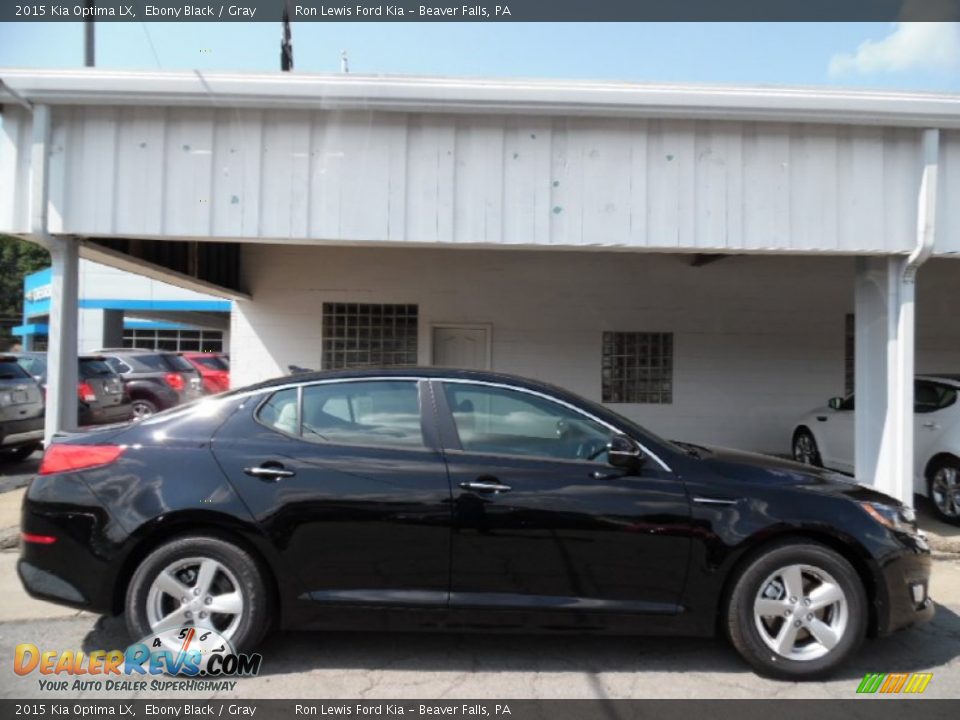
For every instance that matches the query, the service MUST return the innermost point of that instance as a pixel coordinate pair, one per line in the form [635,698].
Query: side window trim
[451,438]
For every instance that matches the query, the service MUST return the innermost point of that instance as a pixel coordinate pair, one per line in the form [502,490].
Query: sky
[916,56]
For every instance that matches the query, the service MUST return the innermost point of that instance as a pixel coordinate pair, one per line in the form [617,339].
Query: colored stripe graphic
[892,683]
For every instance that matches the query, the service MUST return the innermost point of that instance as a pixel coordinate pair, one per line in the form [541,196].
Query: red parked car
[214,370]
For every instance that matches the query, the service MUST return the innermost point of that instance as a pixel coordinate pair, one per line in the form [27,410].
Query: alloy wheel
[945,491]
[801,612]
[804,450]
[197,591]
[141,410]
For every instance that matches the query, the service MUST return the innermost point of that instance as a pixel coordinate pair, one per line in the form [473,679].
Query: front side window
[501,421]
[384,413]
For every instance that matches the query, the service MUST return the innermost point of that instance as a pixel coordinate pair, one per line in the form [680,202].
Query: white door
[461,346]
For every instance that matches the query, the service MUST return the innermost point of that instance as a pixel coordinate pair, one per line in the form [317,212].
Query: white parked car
[824,437]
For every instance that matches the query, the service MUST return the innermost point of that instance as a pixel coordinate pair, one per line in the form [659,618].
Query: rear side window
[377,413]
[94,368]
[118,365]
[930,397]
[383,413]
[280,412]
[11,370]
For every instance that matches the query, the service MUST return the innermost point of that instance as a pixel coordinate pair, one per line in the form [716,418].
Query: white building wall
[757,341]
[362,176]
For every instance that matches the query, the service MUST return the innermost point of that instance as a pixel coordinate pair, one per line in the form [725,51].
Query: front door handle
[930,424]
[486,487]
[269,471]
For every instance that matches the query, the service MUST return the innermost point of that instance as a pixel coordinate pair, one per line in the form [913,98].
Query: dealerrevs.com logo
[893,683]
[203,657]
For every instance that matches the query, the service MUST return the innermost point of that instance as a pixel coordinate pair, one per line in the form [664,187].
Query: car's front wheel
[199,581]
[797,611]
[944,489]
[805,448]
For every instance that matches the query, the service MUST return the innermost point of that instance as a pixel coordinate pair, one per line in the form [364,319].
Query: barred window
[369,335]
[637,367]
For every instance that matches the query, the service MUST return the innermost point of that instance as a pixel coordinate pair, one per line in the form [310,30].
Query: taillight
[86,393]
[65,458]
[37,539]
[174,380]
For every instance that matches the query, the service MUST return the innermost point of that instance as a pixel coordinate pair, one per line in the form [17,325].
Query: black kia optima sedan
[462,500]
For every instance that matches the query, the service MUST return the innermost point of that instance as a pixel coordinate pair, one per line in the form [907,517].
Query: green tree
[17,259]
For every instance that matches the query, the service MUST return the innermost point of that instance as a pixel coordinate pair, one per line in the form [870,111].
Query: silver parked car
[21,411]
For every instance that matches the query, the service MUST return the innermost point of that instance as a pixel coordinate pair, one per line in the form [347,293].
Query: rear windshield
[165,362]
[11,370]
[94,368]
[33,365]
[211,361]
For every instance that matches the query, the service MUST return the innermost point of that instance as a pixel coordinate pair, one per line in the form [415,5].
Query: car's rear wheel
[142,409]
[797,611]
[805,448]
[944,489]
[199,581]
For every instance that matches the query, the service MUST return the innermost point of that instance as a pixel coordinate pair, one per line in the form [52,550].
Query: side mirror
[624,453]
[835,403]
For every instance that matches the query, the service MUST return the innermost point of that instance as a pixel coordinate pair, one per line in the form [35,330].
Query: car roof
[412,372]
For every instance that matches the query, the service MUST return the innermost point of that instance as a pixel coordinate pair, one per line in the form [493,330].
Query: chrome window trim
[558,401]
[465,381]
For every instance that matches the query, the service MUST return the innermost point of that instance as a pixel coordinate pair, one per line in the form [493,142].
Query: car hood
[769,470]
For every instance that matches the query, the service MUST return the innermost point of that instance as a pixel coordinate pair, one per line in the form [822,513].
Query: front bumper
[903,598]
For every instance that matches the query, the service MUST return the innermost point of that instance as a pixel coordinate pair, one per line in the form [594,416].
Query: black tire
[943,476]
[809,453]
[255,616]
[142,408]
[19,454]
[742,624]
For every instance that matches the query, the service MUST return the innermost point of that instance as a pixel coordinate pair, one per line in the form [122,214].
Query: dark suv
[21,411]
[101,395]
[154,380]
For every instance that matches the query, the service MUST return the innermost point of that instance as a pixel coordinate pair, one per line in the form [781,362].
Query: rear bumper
[904,598]
[21,432]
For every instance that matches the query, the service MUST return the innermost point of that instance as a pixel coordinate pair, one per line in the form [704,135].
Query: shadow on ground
[933,645]
[15,475]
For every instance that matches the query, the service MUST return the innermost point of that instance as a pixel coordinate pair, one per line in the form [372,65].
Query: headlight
[6,399]
[899,518]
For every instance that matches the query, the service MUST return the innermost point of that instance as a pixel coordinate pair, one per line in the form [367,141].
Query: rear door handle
[486,487]
[271,471]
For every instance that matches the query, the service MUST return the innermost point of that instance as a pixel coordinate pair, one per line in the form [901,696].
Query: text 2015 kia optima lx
[441,499]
